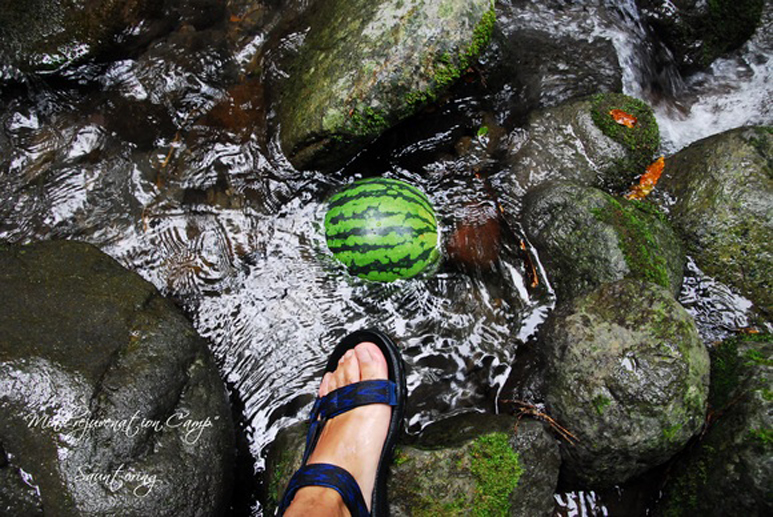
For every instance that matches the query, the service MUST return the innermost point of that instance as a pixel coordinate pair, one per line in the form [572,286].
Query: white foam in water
[734,92]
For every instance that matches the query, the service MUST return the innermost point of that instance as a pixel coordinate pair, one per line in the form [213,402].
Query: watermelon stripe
[371,200]
[384,204]
[371,190]
[380,184]
[366,242]
[343,223]
[367,253]
[403,187]
[375,234]
[393,266]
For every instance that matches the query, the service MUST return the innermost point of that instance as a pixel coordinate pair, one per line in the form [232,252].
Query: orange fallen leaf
[647,181]
[235,19]
[623,118]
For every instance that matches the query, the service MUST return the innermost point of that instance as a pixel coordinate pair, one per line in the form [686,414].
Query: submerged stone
[628,375]
[365,65]
[719,195]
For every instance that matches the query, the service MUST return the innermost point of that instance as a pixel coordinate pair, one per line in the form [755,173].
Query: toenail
[363,354]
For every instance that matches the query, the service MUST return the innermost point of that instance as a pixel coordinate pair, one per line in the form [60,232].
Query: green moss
[280,472]
[762,437]
[755,357]
[641,251]
[400,458]
[669,433]
[458,507]
[367,121]
[497,470]
[685,490]
[600,403]
[724,373]
[642,140]
[729,369]
[448,68]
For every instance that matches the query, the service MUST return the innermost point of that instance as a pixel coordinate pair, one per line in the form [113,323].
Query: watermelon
[382,229]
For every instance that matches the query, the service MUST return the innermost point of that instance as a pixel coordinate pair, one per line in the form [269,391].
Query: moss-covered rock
[586,237]
[628,375]
[111,402]
[719,194]
[574,142]
[699,32]
[466,465]
[642,140]
[366,65]
[730,470]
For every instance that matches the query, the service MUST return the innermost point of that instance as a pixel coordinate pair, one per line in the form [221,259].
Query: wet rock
[48,35]
[699,32]
[586,237]
[366,65]
[628,375]
[719,192]
[730,470]
[110,401]
[579,141]
[532,68]
[465,462]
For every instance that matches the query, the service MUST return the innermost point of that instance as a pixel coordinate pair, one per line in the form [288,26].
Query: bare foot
[352,440]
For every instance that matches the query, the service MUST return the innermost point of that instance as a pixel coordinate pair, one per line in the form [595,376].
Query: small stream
[163,161]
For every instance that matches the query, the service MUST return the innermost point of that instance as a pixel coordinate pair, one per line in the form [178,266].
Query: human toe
[371,361]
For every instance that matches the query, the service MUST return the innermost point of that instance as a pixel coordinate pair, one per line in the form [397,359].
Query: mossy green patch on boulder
[719,195]
[366,65]
[628,375]
[729,471]
[586,237]
[642,140]
[566,142]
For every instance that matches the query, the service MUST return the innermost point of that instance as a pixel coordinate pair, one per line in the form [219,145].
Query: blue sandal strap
[330,476]
[346,398]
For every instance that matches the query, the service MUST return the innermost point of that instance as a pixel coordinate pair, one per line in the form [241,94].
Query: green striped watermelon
[382,229]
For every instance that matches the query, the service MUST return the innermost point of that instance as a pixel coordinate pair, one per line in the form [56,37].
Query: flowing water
[163,161]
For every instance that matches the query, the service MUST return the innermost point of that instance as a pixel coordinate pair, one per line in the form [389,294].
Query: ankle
[317,500]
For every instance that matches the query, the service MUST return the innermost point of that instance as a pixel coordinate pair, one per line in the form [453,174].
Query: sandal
[391,392]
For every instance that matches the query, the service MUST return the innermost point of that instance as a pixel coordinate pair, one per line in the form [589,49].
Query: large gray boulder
[365,65]
[111,402]
[719,195]
[628,375]
[730,470]
[586,237]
